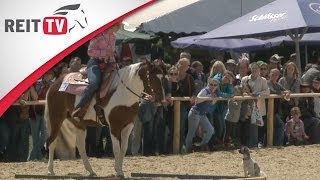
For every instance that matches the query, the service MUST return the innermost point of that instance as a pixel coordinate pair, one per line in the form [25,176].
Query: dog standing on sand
[250,167]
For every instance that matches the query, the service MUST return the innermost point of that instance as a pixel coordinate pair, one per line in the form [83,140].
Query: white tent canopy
[192,15]
[155,10]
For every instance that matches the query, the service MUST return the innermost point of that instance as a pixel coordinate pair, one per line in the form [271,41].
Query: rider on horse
[101,51]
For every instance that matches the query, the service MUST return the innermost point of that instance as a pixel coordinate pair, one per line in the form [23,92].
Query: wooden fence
[177,100]
[270,114]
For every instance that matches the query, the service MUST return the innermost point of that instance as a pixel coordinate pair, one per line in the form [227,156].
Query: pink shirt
[295,129]
[103,46]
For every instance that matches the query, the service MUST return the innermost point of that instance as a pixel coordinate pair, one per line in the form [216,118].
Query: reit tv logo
[63,21]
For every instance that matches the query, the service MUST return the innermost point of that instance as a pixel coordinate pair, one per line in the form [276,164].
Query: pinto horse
[122,107]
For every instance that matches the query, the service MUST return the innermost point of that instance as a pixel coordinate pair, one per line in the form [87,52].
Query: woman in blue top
[197,115]
[219,110]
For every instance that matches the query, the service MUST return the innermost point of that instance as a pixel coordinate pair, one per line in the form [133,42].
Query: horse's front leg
[120,151]
[116,152]
[125,133]
[81,137]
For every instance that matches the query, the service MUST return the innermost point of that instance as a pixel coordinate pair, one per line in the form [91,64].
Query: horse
[120,111]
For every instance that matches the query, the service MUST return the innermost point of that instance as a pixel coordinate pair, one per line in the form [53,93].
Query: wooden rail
[189,176]
[69,176]
[177,100]
[270,113]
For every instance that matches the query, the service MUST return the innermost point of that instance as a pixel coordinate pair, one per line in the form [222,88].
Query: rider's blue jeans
[94,77]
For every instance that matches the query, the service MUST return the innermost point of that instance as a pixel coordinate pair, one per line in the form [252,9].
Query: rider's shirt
[103,46]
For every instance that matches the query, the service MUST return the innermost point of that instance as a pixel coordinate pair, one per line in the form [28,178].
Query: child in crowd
[233,114]
[246,91]
[295,128]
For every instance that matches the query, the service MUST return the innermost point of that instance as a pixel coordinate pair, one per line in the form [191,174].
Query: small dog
[250,167]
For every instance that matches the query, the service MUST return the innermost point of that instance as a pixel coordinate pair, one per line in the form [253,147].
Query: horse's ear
[149,65]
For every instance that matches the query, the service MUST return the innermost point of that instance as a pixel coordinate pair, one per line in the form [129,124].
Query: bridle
[130,90]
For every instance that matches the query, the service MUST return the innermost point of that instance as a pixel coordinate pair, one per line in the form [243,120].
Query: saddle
[75,83]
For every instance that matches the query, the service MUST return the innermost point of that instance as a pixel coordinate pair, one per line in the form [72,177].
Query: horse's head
[75,14]
[152,77]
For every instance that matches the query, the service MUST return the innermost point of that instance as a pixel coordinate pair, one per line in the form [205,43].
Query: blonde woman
[217,67]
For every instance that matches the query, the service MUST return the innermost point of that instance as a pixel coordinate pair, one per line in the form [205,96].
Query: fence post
[176,135]
[270,121]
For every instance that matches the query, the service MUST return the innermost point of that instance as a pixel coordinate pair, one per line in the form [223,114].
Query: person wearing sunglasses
[197,115]
[219,110]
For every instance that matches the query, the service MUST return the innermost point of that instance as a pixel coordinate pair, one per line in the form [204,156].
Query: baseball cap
[231,61]
[275,58]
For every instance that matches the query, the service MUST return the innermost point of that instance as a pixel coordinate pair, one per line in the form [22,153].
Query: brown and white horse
[120,110]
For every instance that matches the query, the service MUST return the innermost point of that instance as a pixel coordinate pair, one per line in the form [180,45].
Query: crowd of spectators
[208,125]
[204,125]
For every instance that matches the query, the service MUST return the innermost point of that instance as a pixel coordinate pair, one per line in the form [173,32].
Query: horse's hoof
[93,174]
[50,173]
[120,175]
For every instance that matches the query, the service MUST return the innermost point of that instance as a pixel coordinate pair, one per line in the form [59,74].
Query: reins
[139,96]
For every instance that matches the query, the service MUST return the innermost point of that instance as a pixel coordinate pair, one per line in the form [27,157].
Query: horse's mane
[126,74]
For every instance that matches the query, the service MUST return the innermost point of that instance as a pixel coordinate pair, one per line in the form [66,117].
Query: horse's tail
[46,118]
[57,107]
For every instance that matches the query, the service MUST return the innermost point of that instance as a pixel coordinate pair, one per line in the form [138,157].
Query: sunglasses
[263,68]
[214,85]
[173,74]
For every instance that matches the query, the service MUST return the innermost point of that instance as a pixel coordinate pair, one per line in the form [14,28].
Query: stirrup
[75,115]
[100,114]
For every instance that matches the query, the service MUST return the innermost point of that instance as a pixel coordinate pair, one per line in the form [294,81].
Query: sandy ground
[301,162]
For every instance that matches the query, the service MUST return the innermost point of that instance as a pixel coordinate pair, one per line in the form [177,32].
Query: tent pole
[296,38]
[306,53]
[296,42]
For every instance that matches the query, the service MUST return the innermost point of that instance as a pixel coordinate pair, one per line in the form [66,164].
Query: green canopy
[124,36]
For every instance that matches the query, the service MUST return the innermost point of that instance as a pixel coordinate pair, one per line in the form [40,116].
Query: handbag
[256,117]
[24,109]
